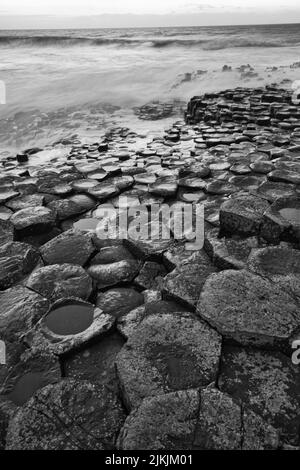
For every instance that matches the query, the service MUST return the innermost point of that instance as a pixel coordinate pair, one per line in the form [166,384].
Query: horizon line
[138,27]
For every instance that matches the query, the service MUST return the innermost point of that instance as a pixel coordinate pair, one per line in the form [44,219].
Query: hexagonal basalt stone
[61,280]
[33,220]
[280,264]
[195,420]
[272,191]
[96,363]
[167,352]
[220,187]
[33,370]
[7,194]
[104,190]
[20,310]
[22,375]
[22,202]
[71,415]
[284,176]
[5,213]
[117,302]
[72,206]
[282,221]
[267,383]
[163,422]
[107,275]
[70,323]
[224,424]
[164,186]
[148,245]
[151,276]
[186,281]
[229,253]
[70,247]
[242,214]
[16,261]
[249,309]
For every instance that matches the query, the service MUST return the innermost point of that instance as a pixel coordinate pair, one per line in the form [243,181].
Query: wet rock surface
[186,281]
[266,382]
[196,419]
[167,353]
[16,261]
[248,309]
[72,415]
[20,310]
[160,347]
[61,280]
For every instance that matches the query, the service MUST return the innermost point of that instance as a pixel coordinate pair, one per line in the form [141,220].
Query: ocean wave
[206,44]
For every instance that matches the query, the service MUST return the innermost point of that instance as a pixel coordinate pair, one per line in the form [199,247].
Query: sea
[60,83]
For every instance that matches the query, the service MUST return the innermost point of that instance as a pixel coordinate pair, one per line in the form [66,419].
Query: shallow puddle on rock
[292,214]
[26,387]
[70,319]
[85,225]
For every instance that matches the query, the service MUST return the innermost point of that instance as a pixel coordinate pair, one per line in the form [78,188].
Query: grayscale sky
[134,13]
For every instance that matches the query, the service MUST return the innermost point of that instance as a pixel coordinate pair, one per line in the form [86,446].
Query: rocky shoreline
[141,344]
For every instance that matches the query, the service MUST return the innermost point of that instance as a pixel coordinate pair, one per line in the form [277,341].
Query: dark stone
[20,310]
[71,415]
[61,280]
[267,383]
[70,247]
[242,214]
[167,353]
[249,309]
[151,276]
[280,264]
[97,362]
[186,281]
[117,302]
[72,206]
[33,220]
[16,261]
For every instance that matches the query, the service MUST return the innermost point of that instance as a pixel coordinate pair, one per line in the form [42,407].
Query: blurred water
[51,70]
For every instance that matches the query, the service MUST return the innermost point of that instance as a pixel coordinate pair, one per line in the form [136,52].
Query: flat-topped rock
[280,264]
[148,244]
[229,253]
[7,194]
[272,191]
[119,301]
[71,415]
[70,247]
[167,352]
[22,202]
[267,383]
[104,191]
[243,214]
[107,275]
[248,309]
[32,371]
[164,186]
[69,324]
[285,176]
[33,220]
[20,310]
[282,220]
[195,420]
[162,422]
[16,261]
[72,206]
[186,281]
[96,362]
[61,280]
[150,276]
